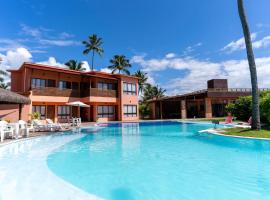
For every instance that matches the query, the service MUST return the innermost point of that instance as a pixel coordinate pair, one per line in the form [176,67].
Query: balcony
[53,91]
[102,93]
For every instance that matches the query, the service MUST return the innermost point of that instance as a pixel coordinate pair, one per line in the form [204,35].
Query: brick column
[208,108]
[183,109]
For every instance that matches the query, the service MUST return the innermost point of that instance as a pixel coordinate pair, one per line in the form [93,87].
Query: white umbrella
[78,104]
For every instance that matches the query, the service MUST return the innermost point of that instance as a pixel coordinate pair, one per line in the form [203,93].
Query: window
[105,86]
[75,85]
[37,83]
[63,112]
[105,111]
[41,110]
[130,88]
[64,85]
[130,110]
[51,83]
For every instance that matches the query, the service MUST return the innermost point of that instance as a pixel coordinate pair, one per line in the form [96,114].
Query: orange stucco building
[111,97]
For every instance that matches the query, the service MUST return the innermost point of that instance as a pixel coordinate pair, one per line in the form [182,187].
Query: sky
[179,44]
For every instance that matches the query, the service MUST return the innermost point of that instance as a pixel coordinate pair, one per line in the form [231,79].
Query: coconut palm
[120,64]
[3,74]
[93,44]
[252,67]
[74,65]
[151,92]
[142,79]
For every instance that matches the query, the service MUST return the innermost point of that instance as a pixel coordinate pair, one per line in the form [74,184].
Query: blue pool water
[164,161]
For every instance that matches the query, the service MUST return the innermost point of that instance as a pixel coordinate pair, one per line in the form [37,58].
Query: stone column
[183,109]
[208,108]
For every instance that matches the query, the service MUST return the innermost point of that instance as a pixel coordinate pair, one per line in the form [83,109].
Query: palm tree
[2,79]
[256,124]
[142,79]
[74,65]
[151,92]
[93,44]
[120,64]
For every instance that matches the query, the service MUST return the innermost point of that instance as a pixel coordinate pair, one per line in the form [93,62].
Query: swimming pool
[128,161]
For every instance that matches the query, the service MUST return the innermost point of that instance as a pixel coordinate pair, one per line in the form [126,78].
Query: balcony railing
[102,93]
[53,91]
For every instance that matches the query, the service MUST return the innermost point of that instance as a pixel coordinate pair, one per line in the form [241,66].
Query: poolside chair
[245,124]
[57,126]
[23,127]
[5,129]
[39,126]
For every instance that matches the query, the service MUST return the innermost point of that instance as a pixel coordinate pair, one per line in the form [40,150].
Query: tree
[120,64]
[256,124]
[93,44]
[151,92]
[3,74]
[142,79]
[74,65]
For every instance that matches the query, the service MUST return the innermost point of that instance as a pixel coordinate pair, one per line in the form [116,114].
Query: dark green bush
[241,109]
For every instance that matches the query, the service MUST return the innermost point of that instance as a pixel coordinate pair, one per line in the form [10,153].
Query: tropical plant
[119,63]
[252,67]
[74,65]
[35,115]
[151,92]
[142,79]
[3,84]
[241,108]
[93,44]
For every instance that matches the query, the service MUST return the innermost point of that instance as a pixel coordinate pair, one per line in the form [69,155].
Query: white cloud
[52,62]
[86,65]
[240,43]
[199,71]
[106,70]
[14,58]
[62,43]
[170,55]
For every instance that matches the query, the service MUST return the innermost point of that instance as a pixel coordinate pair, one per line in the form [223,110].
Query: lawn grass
[246,132]
[208,119]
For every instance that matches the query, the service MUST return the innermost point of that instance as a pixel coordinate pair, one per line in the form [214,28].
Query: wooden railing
[53,91]
[102,93]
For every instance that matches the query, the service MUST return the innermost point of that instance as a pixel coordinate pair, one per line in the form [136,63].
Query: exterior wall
[183,109]
[9,112]
[128,99]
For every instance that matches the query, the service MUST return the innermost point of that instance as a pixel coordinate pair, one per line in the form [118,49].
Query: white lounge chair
[23,127]
[5,129]
[58,126]
[39,126]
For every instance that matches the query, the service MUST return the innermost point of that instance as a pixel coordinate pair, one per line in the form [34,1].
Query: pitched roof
[12,97]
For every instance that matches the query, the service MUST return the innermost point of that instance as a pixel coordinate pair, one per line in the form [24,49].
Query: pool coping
[234,136]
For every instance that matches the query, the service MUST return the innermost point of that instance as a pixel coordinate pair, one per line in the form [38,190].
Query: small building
[109,96]
[207,103]
[11,105]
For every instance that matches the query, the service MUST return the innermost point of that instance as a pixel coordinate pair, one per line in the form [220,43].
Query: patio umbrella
[78,104]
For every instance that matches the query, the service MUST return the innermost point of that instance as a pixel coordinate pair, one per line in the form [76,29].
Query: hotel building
[111,97]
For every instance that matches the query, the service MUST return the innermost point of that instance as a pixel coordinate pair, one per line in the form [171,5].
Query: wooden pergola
[8,97]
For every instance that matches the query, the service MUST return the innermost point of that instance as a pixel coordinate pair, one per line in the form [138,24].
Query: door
[51,112]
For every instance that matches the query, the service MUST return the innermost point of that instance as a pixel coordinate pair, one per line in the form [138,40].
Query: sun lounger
[59,126]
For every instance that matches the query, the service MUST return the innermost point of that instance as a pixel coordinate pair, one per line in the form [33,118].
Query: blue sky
[180,44]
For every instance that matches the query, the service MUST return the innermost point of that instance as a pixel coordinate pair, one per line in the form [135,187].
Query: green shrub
[265,108]
[241,109]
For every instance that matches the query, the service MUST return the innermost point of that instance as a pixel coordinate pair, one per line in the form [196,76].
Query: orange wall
[10,112]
